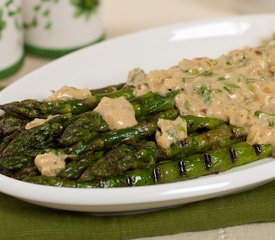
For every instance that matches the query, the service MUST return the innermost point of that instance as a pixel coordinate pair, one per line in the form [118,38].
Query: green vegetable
[231,87]
[211,162]
[153,102]
[108,89]
[10,124]
[24,147]
[195,123]
[31,108]
[75,168]
[134,134]
[205,92]
[99,157]
[84,128]
[88,123]
[269,117]
[120,159]
[221,136]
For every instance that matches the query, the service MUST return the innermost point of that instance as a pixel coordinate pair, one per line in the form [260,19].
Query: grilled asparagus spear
[195,123]
[153,102]
[91,121]
[211,162]
[190,167]
[24,147]
[85,127]
[10,124]
[108,89]
[134,134]
[31,108]
[193,166]
[75,168]
[221,136]
[120,159]
[10,127]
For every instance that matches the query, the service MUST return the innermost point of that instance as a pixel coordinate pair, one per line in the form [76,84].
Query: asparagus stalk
[134,134]
[53,181]
[120,159]
[109,165]
[91,121]
[108,89]
[153,102]
[32,108]
[29,170]
[85,127]
[75,168]
[128,93]
[211,162]
[10,124]
[23,148]
[196,123]
[221,136]
[7,139]
[10,127]
[194,166]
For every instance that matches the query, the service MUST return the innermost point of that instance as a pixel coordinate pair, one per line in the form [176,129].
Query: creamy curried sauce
[171,132]
[50,164]
[37,122]
[232,87]
[67,93]
[118,113]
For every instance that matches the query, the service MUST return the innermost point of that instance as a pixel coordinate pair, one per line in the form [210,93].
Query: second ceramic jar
[54,28]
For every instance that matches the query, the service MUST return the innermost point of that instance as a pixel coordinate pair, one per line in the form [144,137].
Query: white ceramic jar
[11,37]
[56,27]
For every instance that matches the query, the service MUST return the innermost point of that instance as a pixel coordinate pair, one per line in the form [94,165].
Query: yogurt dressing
[67,93]
[232,87]
[118,113]
[50,164]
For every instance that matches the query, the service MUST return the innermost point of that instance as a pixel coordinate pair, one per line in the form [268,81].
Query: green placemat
[20,220]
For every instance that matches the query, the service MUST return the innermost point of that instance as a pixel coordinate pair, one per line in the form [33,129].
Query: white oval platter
[109,62]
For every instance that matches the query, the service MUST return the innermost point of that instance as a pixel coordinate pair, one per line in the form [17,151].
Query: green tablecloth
[20,220]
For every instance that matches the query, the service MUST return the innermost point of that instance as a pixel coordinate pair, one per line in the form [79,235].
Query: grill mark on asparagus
[207,161]
[101,183]
[257,148]
[156,174]
[182,170]
[128,181]
[184,143]
[233,154]
[234,133]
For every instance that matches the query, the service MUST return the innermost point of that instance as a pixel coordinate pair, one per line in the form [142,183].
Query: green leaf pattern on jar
[42,12]
[2,23]
[9,9]
[85,8]
[41,15]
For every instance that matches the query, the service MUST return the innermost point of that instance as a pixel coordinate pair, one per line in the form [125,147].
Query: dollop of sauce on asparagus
[118,113]
[67,93]
[50,164]
[37,122]
[170,131]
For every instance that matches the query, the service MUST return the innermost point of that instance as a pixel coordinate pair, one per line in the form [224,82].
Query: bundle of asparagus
[97,156]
